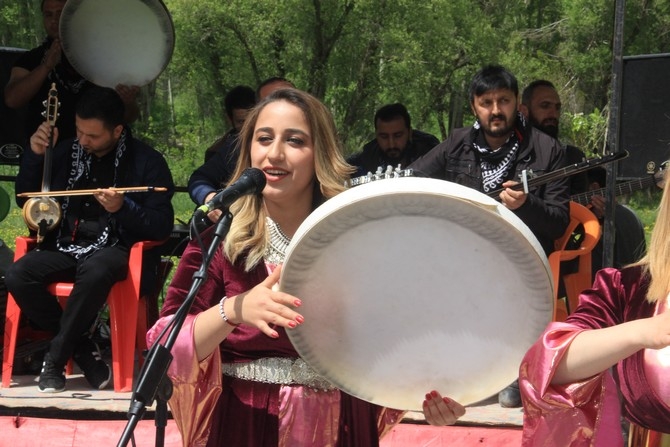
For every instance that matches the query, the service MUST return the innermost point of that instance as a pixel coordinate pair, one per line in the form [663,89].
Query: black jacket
[545,212]
[370,158]
[143,216]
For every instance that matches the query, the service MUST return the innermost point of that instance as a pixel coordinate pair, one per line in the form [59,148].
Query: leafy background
[359,54]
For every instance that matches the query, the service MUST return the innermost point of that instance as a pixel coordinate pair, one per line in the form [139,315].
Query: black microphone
[252,181]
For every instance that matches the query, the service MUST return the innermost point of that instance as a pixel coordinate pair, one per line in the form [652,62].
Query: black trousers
[93,278]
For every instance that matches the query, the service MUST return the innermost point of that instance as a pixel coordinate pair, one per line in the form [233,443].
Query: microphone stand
[153,382]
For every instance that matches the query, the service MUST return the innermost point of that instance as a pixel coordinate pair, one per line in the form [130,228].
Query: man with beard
[90,246]
[541,105]
[395,144]
[491,154]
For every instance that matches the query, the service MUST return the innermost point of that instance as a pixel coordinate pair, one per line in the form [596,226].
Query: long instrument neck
[563,172]
[50,113]
[620,189]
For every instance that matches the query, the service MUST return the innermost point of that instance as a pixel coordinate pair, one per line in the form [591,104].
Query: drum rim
[383,188]
[165,20]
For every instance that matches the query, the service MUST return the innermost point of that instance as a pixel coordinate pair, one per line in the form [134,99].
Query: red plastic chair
[580,280]
[127,330]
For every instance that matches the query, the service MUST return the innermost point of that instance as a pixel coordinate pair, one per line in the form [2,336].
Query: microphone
[252,181]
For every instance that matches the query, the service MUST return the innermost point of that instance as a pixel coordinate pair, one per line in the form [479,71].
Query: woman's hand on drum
[440,410]
[40,140]
[263,306]
[512,198]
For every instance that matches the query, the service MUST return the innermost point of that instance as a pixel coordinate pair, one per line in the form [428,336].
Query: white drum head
[415,284]
[111,42]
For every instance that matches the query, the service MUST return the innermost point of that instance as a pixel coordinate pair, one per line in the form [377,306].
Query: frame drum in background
[111,42]
[411,285]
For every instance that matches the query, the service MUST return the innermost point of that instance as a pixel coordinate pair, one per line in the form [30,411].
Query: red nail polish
[300,319]
[292,324]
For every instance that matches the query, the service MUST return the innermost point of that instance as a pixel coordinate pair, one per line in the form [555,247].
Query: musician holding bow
[91,245]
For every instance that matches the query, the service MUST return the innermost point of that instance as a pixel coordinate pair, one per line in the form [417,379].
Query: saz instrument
[380,174]
[414,285]
[654,179]
[575,168]
[42,213]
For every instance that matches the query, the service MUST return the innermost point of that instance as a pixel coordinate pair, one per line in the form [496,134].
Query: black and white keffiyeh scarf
[496,163]
[80,169]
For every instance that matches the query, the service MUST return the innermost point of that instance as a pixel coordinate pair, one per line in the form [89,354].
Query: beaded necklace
[276,250]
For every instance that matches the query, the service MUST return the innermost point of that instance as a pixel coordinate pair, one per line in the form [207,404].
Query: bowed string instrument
[42,213]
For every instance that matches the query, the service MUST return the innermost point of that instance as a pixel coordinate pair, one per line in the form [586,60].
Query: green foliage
[586,131]
[357,55]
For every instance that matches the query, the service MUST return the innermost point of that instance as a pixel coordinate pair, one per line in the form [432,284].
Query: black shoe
[97,372]
[510,397]
[52,376]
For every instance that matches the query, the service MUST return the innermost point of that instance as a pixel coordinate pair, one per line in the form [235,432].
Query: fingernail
[428,396]
[446,400]
[300,319]
[292,324]
[297,302]
[434,393]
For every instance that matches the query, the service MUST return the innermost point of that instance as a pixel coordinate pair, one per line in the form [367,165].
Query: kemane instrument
[85,192]
[42,213]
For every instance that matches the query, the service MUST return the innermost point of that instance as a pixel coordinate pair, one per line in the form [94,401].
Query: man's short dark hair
[492,77]
[101,103]
[389,112]
[271,80]
[239,97]
[528,92]
[43,1]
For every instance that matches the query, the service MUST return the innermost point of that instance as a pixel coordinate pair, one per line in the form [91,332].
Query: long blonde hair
[656,263]
[247,235]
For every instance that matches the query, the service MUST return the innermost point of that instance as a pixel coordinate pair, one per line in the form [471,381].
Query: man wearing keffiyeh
[492,153]
[91,246]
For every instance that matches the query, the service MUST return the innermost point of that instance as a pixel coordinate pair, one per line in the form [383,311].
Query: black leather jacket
[545,212]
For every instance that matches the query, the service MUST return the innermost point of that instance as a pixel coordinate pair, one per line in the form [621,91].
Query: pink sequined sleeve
[196,385]
[577,414]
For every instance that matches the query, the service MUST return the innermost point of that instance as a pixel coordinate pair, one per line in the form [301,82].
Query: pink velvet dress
[588,413]
[215,409]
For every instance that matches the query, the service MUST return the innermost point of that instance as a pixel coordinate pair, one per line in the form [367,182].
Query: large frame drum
[112,42]
[415,284]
